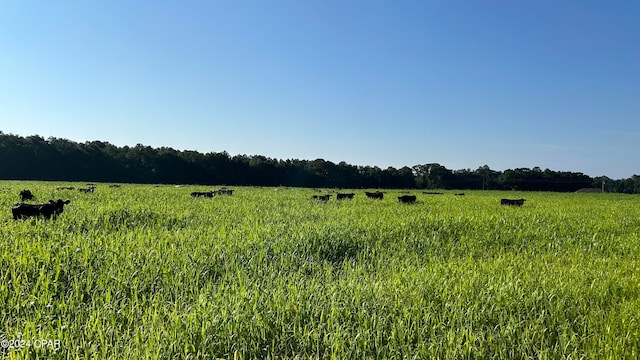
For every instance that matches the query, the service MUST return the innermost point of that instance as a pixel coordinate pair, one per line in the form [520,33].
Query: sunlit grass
[149,272]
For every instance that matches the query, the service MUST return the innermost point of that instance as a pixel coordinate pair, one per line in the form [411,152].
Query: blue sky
[509,84]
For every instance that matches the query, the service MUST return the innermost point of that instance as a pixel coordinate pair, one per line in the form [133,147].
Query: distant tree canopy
[36,158]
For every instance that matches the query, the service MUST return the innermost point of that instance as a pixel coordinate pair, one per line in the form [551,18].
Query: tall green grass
[148,272]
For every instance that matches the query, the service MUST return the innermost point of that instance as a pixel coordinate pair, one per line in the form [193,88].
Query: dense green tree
[35,158]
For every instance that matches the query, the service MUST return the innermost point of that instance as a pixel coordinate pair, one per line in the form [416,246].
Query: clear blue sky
[509,84]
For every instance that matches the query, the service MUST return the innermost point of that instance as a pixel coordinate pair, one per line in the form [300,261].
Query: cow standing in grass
[87,190]
[374,195]
[512,202]
[48,211]
[209,194]
[344,196]
[321,197]
[407,199]
[26,195]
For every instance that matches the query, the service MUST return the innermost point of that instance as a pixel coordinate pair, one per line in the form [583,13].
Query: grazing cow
[52,209]
[374,195]
[203,194]
[87,190]
[344,196]
[407,199]
[26,195]
[512,202]
[321,197]
[459,194]
[224,192]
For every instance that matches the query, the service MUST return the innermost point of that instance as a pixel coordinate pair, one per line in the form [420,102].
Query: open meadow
[143,271]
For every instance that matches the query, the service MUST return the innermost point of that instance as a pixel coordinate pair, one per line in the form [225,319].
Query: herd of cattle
[53,208]
[405,199]
[212,193]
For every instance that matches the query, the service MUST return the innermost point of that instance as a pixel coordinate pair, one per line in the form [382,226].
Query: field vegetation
[143,271]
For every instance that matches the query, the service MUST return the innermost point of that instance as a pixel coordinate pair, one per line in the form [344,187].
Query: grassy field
[140,272]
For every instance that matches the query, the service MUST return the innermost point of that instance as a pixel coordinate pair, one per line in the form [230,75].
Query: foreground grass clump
[148,272]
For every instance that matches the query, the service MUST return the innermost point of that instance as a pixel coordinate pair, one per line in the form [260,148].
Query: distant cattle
[459,194]
[512,202]
[321,197]
[203,194]
[90,189]
[432,193]
[374,195]
[224,192]
[26,195]
[407,199]
[65,188]
[340,196]
[52,209]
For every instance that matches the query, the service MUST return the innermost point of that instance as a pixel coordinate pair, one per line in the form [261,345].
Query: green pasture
[147,272]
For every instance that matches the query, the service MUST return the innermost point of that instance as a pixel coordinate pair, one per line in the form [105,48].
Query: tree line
[36,158]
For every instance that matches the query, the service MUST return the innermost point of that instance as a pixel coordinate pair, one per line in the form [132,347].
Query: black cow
[407,199]
[90,189]
[224,192]
[344,196]
[321,197]
[52,209]
[26,195]
[374,195]
[512,202]
[203,194]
